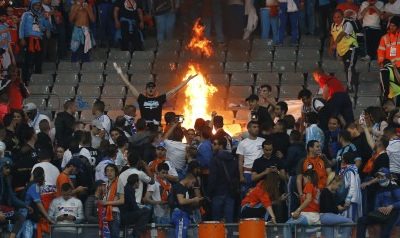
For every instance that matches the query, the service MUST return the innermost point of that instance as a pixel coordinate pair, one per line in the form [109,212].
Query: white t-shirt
[159,210]
[143,178]
[171,171]
[371,20]
[392,8]
[176,152]
[50,172]
[68,156]
[251,150]
[393,151]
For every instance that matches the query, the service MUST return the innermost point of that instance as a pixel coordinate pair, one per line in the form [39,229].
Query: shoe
[366,58]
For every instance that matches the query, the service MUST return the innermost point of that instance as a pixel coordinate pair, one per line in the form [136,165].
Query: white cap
[85,153]
[29,107]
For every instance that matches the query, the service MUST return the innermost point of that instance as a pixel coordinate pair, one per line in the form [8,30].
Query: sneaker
[366,58]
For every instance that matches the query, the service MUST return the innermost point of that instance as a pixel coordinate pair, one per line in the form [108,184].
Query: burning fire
[199,43]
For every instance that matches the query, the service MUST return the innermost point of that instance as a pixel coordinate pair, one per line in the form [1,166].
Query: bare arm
[368,135]
[256,177]
[241,161]
[131,88]
[43,211]
[147,199]
[170,131]
[89,10]
[119,202]
[73,13]
[305,203]
[116,17]
[172,92]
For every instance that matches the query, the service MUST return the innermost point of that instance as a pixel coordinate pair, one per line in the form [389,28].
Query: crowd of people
[326,167]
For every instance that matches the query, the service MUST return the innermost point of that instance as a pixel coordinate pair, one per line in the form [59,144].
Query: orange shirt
[61,179]
[319,167]
[257,195]
[313,206]
[389,48]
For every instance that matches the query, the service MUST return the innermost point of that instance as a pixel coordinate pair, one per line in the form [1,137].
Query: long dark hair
[271,186]
[312,175]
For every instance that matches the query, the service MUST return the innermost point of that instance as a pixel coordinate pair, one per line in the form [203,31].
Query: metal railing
[272,230]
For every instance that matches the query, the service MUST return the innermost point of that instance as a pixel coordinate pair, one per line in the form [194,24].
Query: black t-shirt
[264,118]
[381,162]
[44,141]
[12,142]
[23,164]
[178,188]
[327,202]
[281,142]
[129,9]
[262,163]
[151,108]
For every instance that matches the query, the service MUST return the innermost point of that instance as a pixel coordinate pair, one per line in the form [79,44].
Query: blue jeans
[106,30]
[216,19]
[307,17]
[302,220]
[294,23]
[247,184]
[223,207]
[332,219]
[268,22]
[114,225]
[181,221]
[165,26]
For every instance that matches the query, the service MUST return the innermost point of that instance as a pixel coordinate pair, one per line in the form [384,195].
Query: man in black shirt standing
[150,105]
[267,163]
[64,124]
[259,113]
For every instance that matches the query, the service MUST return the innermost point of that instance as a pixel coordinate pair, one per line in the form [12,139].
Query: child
[157,195]
[308,211]
[352,187]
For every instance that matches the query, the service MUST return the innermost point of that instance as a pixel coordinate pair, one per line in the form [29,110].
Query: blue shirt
[5,36]
[388,196]
[32,194]
[204,153]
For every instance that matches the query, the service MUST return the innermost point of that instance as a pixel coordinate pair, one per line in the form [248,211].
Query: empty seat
[261,54]
[218,55]
[188,55]
[369,89]
[42,79]
[39,101]
[113,79]
[362,66]
[218,79]
[169,45]
[163,67]
[113,114]
[368,77]
[140,66]
[88,91]
[285,54]
[167,55]
[67,79]
[235,66]
[56,103]
[64,66]
[289,91]
[341,76]
[38,89]
[92,78]
[283,66]
[99,54]
[261,44]
[143,56]
[240,91]
[239,45]
[63,90]
[267,78]
[313,87]
[167,80]
[48,68]
[84,103]
[114,91]
[141,79]
[212,66]
[242,79]
[117,55]
[109,68]
[310,42]
[92,67]
[112,103]
[364,102]
[332,66]
[259,66]
[292,78]
[306,66]
[237,55]
[309,54]
[374,66]
[86,116]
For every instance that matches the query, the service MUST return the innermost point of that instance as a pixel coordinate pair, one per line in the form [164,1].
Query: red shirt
[257,195]
[15,98]
[313,206]
[4,109]
[334,85]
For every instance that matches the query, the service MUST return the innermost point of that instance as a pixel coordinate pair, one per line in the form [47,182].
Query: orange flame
[199,43]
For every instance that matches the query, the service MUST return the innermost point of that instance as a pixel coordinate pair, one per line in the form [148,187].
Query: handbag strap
[228,177]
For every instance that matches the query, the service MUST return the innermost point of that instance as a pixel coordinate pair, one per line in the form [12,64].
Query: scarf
[153,166]
[166,188]
[43,225]
[369,166]
[112,192]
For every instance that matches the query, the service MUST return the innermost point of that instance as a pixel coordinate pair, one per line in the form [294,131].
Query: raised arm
[181,85]
[131,88]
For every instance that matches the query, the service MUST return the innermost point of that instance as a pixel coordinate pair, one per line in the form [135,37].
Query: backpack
[358,30]
[160,7]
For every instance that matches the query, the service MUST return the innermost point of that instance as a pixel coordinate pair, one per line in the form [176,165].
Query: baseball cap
[383,172]
[150,85]
[30,107]
[162,145]
[252,97]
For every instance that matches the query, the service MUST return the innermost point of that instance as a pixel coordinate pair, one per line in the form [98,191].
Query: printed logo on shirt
[151,105]
[130,5]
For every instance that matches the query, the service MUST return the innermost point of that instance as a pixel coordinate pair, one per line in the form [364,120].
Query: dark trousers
[253,212]
[131,40]
[386,226]
[80,56]
[236,21]
[349,62]
[324,20]
[32,62]
[139,218]
[372,38]
[340,104]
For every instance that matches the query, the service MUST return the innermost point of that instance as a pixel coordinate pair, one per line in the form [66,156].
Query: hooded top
[33,23]
[7,195]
